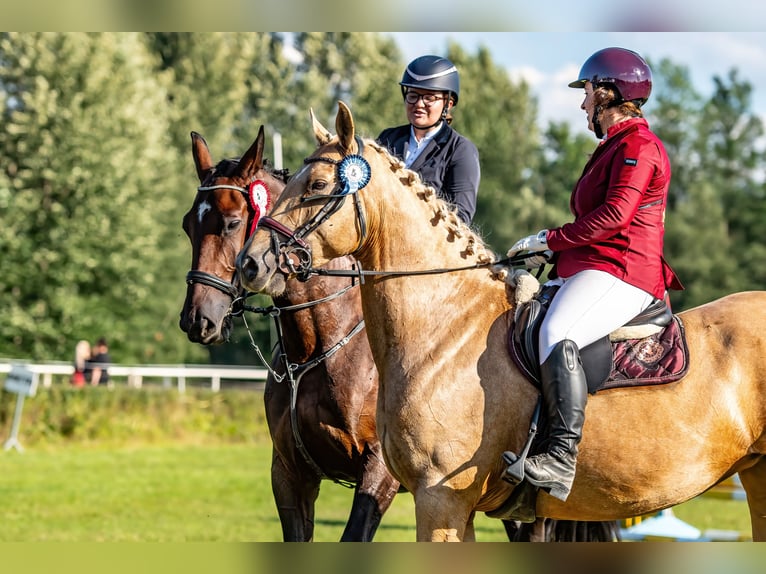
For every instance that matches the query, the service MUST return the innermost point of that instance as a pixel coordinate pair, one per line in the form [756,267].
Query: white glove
[535,261]
[532,243]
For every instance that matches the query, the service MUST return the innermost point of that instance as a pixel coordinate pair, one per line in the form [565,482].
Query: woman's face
[588,105]
[426,109]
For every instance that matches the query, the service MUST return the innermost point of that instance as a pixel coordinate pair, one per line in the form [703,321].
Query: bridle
[294,372]
[294,254]
[353,174]
[258,198]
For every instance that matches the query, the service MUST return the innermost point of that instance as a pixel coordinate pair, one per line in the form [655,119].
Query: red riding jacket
[619,208]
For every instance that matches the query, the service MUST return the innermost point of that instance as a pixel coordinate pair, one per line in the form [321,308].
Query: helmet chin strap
[597,129]
[596,122]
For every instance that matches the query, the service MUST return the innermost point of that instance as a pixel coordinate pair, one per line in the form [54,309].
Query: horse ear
[202,160]
[252,160]
[344,125]
[322,135]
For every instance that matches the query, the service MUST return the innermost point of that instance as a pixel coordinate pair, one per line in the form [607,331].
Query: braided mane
[444,213]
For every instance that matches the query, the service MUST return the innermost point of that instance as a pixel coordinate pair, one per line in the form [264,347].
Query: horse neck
[316,328]
[410,233]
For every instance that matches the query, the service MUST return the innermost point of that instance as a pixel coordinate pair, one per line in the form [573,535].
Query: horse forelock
[229,167]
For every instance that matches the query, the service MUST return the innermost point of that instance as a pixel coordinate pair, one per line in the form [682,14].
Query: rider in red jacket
[620,213]
[609,262]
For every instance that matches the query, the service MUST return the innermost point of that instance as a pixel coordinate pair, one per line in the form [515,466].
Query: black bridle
[294,254]
[294,372]
[238,294]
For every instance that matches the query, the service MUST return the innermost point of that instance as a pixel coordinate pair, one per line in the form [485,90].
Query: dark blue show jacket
[449,164]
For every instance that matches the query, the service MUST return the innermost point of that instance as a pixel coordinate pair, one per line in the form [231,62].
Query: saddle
[650,349]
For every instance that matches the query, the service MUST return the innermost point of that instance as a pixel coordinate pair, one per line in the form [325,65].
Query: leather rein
[295,254]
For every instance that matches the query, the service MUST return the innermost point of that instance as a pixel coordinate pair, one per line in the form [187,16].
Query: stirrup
[515,471]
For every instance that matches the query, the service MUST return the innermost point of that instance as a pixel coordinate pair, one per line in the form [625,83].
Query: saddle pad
[655,360]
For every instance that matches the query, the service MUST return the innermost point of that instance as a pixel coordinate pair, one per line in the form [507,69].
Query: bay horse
[328,430]
[451,399]
[333,417]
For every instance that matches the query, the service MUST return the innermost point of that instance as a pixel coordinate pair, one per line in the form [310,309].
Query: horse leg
[470,531]
[375,490]
[754,482]
[536,531]
[440,516]
[295,499]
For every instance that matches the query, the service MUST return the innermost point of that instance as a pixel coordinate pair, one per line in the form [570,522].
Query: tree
[82,195]
[499,116]
[715,216]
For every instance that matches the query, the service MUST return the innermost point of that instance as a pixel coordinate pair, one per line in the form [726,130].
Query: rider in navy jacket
[445,159]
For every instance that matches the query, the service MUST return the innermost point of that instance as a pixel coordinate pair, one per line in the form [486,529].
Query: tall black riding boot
[565,392]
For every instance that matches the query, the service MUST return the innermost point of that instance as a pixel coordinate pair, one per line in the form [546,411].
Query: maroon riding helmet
[623,69]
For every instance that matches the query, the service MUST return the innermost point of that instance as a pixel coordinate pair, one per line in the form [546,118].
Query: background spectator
[99,375]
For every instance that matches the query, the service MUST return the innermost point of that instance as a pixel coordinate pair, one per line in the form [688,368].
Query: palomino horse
[451,399]
[333,418]
[335,411]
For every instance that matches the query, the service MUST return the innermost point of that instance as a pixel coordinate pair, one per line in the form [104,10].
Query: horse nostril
[248,268]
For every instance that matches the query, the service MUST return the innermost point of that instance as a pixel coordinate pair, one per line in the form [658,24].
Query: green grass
[201,493]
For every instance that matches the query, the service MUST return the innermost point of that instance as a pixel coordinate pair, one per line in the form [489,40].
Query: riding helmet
[623,69]
[432,73]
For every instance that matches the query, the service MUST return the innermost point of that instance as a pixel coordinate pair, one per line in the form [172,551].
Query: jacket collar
[632,123]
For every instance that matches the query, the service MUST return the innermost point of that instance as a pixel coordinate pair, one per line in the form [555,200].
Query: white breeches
[587,306]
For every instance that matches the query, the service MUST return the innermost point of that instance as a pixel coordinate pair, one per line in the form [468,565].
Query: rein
[294,371]
[353,174]
[362,273]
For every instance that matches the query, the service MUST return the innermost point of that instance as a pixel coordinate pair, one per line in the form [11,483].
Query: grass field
[201,493]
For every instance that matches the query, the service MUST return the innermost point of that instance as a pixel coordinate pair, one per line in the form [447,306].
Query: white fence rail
[135,375]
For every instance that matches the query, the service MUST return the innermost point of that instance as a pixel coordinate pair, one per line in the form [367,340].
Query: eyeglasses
[428,99]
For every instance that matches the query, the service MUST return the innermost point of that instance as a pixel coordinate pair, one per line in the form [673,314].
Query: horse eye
[233,225]
[318,185]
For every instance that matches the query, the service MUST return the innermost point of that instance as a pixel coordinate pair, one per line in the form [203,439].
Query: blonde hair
[81,354]
[605,95]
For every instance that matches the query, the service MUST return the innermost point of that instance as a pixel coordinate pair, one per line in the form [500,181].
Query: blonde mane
[444,213]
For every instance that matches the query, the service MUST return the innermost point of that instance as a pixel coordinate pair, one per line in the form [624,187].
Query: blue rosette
[354,173]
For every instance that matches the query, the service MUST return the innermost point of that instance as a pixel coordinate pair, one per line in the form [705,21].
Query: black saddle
[601,358]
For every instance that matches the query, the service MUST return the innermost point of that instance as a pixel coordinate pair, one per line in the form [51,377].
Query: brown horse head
[231,195]
[314,203]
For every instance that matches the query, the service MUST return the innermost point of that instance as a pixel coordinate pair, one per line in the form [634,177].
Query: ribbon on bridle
[258,199]
[353,174]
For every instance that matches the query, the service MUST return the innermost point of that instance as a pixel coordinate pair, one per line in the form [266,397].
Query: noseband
[258,199]
[294,254]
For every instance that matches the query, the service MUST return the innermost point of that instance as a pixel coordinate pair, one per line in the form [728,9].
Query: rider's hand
[532,243]
[535,261]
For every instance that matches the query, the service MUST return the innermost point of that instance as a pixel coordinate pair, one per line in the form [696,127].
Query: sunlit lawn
[201,493]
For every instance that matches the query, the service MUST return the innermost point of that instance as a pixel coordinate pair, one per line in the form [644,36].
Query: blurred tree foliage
[97,170]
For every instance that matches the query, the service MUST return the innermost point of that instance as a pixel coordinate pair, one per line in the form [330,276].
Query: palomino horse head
[318,197]
[321,213]
[232,196]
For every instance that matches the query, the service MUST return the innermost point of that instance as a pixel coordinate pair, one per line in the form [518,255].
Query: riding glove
[532,243]
[535,261]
